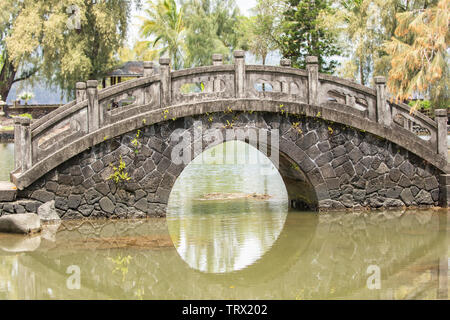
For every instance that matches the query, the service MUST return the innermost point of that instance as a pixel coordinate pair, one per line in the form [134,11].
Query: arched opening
[227,208]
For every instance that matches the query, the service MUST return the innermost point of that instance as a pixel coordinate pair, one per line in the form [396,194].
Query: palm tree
[164,22]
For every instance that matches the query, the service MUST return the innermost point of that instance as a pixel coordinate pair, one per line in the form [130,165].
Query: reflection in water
[302,255]
[6,160]
[226,235]
[322,256]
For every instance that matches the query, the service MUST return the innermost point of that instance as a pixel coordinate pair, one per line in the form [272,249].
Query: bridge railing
[93,109]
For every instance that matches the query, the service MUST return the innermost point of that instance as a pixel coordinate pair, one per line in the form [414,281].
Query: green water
[238,248]
[6,160]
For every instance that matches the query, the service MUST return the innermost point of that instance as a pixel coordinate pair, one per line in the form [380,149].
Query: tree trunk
[361,71]
[7,75]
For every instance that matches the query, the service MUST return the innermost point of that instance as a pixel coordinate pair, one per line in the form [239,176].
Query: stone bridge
[340,145]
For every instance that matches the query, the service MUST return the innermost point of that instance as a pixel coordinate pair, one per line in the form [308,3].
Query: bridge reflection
[315,257]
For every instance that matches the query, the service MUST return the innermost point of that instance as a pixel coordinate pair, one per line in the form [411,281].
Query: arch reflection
[227,208]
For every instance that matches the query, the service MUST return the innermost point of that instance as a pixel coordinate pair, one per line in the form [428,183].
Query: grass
[6,128]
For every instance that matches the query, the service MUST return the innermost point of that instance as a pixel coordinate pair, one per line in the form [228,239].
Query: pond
[229,235]
[6,160]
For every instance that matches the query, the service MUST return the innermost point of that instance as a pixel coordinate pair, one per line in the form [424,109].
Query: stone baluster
[285,62]
[441,121]
[312,67]
[22,143]
[80,92]
[384,115]
[148,68]
[94,114]
[442,149]
[284,84]
[166,93]
[217,59]
[239,77]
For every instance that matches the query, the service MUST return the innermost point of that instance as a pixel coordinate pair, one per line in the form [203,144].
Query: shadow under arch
[303,181]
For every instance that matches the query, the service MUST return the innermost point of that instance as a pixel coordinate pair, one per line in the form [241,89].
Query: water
[6,160]
[221,242]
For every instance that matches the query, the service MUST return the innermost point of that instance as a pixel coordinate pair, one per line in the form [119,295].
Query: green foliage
[211,27]
[419,55]
[420,104]
[26,115]
[262,30]
[165,114]
[119,173]
[26,96]
[135,142]
[296,126]
[229,124]
[304,35]
[164,24]
[44,36]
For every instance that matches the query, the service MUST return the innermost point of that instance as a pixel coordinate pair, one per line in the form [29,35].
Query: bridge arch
[355,148]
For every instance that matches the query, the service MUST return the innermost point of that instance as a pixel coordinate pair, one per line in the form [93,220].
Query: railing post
[441,121]
[17,143]
[312,67]
[165,82]
[217,59]
[384,116]
[94,117]
[284,84]
[148,68]
[285,62]
[239,77]
[22,143]
[80,91]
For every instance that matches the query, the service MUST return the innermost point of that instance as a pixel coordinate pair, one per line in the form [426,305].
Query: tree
[388,10]
[262,30]
[358,22]
[304,35]
[65,40]
[212,26]
[421,65]
[139,52]
[9,73]
[164,22]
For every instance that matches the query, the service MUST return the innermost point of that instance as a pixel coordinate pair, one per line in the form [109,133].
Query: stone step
[8,191]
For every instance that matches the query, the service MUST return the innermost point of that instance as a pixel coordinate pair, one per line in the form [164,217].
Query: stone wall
[345,167]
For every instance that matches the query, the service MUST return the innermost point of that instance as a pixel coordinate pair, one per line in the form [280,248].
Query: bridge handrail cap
[81,85]
[285,62]
[380,79]
[217,57]
[164,61]
[148,64]
[239,53]
[312,60]
[22,120]
[440,112]
[92,83]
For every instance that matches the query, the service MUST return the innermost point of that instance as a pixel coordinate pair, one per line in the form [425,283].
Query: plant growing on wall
[135,142]
[119,173]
